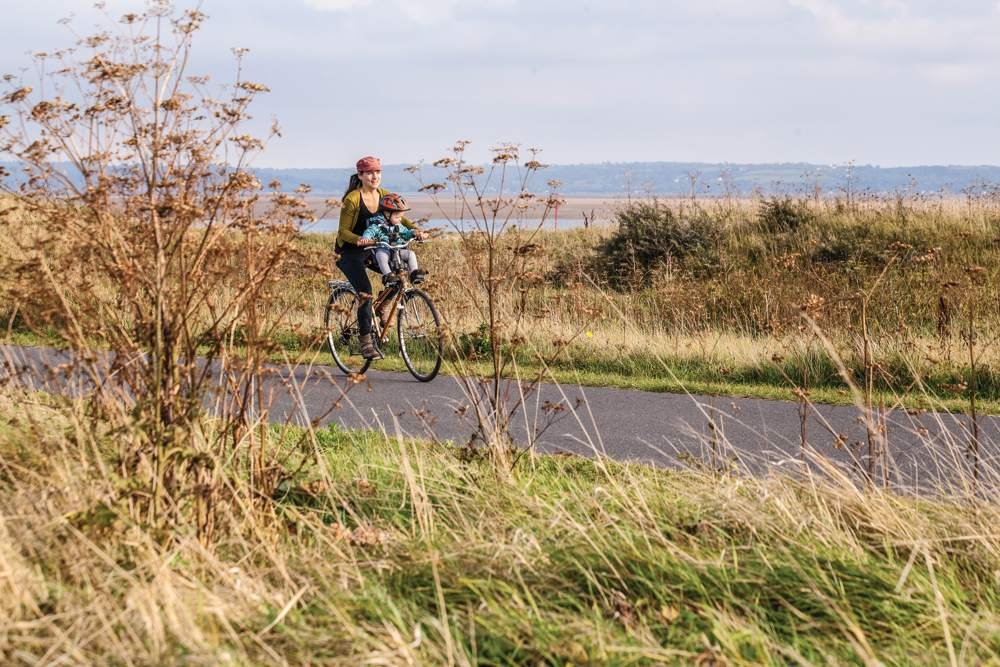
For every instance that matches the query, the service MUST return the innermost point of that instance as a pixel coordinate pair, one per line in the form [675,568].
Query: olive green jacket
[351,203]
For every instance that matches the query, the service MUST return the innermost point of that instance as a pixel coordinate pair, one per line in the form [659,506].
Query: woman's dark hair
[353,184]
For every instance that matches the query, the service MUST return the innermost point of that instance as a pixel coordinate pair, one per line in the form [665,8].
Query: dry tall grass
[387,551]
[136,230]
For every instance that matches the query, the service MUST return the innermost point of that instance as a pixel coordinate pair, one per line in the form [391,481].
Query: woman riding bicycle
[361,202]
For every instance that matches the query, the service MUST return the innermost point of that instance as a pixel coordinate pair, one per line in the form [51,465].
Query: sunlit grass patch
[390,550]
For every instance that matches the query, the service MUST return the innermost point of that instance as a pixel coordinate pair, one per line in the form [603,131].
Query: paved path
[926,449]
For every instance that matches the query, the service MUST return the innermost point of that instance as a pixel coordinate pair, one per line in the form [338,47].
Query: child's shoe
[417,276]
[390,280]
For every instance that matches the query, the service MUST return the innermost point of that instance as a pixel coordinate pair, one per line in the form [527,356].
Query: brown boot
[368,349]
[382,311]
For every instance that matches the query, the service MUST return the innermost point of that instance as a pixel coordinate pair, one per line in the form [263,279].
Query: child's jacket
[380,229]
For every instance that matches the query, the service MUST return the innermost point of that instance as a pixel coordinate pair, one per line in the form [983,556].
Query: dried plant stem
[973,390]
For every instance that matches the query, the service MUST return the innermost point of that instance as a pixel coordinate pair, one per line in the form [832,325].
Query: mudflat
[423,206]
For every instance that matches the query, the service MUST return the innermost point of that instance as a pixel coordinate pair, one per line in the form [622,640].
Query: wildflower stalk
[158,249]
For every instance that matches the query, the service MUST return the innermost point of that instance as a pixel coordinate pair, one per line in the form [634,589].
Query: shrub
[650,236]
[779,215]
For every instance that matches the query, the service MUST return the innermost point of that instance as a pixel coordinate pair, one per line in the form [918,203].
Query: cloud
[336,5]
[428,11]
[956,75]
[418,11]
[661,77]
[907,25]
[891,25]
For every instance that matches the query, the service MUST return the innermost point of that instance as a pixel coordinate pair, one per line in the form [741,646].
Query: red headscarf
[369,163]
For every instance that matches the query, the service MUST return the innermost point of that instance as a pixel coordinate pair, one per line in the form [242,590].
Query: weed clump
[476,344]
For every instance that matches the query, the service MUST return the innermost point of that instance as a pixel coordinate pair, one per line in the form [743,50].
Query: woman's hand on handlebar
[421,235]
[364,243]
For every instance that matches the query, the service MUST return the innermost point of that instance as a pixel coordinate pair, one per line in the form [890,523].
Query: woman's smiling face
[371,179]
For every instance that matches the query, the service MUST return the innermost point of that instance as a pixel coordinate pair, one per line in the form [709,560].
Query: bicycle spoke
[420,335]
[341,322]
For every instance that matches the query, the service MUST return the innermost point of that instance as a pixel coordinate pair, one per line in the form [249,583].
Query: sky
[885,82]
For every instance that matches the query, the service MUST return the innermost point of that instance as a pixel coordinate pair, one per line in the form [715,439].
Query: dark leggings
[352,263]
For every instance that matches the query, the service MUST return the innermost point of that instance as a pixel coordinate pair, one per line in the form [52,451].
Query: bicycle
[419,334]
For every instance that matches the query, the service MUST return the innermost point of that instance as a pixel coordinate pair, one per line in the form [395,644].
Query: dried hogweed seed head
[247,142]
[254,87]
[192,21]
[18,95]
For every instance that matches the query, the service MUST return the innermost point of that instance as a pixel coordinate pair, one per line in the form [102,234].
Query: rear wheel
[342,336]
[421,339]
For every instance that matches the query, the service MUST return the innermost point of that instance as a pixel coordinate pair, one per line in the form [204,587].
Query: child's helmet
[393,202]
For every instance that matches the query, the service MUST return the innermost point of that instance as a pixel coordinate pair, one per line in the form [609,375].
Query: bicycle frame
[395,293]
[383,328]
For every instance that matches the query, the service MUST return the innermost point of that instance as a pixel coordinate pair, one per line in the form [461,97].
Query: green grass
[395,551]
[705,377]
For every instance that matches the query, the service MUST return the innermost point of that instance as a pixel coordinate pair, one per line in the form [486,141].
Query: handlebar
[392,246]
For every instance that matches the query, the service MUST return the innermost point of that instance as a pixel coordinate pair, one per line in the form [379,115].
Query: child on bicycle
[387,226]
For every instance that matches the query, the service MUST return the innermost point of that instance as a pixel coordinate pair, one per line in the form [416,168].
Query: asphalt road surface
[925,450]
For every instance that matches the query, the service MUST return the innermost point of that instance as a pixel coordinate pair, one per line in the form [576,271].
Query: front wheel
[421,338]
[342,334]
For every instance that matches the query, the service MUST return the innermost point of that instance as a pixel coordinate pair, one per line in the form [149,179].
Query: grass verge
[384,550]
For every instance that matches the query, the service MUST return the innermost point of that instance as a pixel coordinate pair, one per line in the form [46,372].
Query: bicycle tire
[340,318]
[421,338]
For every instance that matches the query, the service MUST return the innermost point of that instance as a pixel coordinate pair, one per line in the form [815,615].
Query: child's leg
[416,273]
[410,258]
[382,259]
